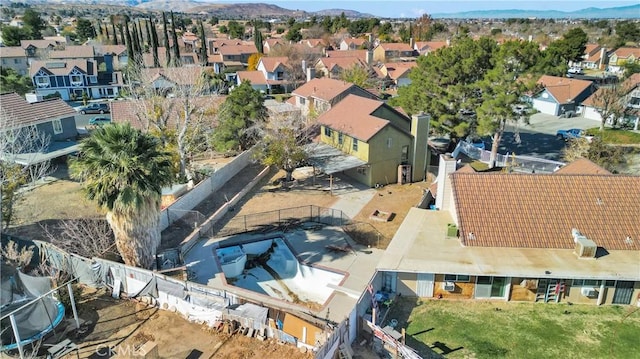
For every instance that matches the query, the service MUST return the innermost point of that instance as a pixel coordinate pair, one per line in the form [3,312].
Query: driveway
[538,139]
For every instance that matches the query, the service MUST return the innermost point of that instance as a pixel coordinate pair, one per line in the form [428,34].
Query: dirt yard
[120,326]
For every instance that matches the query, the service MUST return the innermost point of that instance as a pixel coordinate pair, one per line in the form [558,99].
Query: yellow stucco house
[381,144]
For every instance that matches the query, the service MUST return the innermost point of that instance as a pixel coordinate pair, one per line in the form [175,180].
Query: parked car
[567,135]
[99,121]
[100,108]
[575,71]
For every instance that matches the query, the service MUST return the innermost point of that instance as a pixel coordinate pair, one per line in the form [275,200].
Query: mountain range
[248,10]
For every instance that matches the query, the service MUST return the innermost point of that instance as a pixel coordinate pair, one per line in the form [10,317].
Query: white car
[575,71]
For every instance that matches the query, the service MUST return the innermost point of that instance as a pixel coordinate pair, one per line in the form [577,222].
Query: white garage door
[424,285]
[549,108]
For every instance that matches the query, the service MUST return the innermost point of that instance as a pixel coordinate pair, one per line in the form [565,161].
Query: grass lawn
[487,329]
[616,136]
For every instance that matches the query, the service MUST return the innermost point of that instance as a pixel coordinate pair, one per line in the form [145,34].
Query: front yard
[485,329]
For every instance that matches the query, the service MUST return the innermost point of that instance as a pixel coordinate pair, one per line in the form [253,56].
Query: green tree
[154,42]
[502,89]
[446,82]
[558,54]
[258,40]
[628,31]
[239,115]
[167,48]
[33,24]
[174,39]
[357,75]
[85,30]
[112,20]
[214,21]
[203,45]
[293,35]
[12,35]
[123,171]
[236,30]
[11,81]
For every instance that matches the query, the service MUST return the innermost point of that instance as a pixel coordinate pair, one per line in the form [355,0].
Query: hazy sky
[410,8]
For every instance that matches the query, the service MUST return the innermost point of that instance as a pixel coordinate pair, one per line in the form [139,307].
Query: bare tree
[297,55]
[610,104]
[16,257]
[87,237]
[177,114]
[21,162]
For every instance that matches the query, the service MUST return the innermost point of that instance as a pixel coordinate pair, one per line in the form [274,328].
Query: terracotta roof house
[53,119]
[387,52]
[231,56]
[166,80]
[332,67]
[14,57]
[361,54]
[571,236]
[119,56]
[35,48]
[135,112]
[71,78]
[398,72]
[319,95]
[622,55]
[186,59]
[595,57]
[631,100]
[426,47]
[73,52]
[255,78]
[270,44]
[352,44]
[375,143]
[561,95]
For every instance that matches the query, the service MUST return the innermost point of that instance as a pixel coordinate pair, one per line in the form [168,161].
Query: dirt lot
[124,325]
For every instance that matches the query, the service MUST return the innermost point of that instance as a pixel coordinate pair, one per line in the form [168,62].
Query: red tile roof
[17,112]
[564,89]
[624,52]
[361,54]
[540,210]
[342,62]
[323,88]
[271,63]
[255,77]
[136,112]
[353,116]
[582,166]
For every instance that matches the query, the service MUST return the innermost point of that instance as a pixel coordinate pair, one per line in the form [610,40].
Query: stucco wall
[463,290]
[205,188]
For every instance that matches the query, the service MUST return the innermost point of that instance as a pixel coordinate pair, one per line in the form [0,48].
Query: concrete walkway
[352,196]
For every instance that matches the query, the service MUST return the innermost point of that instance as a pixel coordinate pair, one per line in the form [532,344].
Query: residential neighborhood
[251,181]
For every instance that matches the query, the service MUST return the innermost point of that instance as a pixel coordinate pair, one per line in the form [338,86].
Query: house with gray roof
[52,120]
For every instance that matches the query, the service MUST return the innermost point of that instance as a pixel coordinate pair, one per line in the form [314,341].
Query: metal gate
[623,293]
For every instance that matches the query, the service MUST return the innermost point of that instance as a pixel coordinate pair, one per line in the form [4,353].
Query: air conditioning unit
[588,292]
[449,286]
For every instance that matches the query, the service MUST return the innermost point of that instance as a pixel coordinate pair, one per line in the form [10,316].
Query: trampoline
[35,313]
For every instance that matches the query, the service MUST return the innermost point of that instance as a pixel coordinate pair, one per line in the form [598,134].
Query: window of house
[57,126]
[16,61]
[456,278]
[303,100]
[355,144]
[42,80]
[76,78]
[4,61]
[340,138]
[586,283]
[610,283]
[93,79]
[389,142]
[405,153]
[327,132]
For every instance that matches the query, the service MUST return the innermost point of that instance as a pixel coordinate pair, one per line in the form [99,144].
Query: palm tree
[124,170]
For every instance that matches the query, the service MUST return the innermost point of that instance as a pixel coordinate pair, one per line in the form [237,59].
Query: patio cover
[55,150]
[330,159]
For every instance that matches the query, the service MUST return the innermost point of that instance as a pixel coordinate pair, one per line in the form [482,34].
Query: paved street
[538,139]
